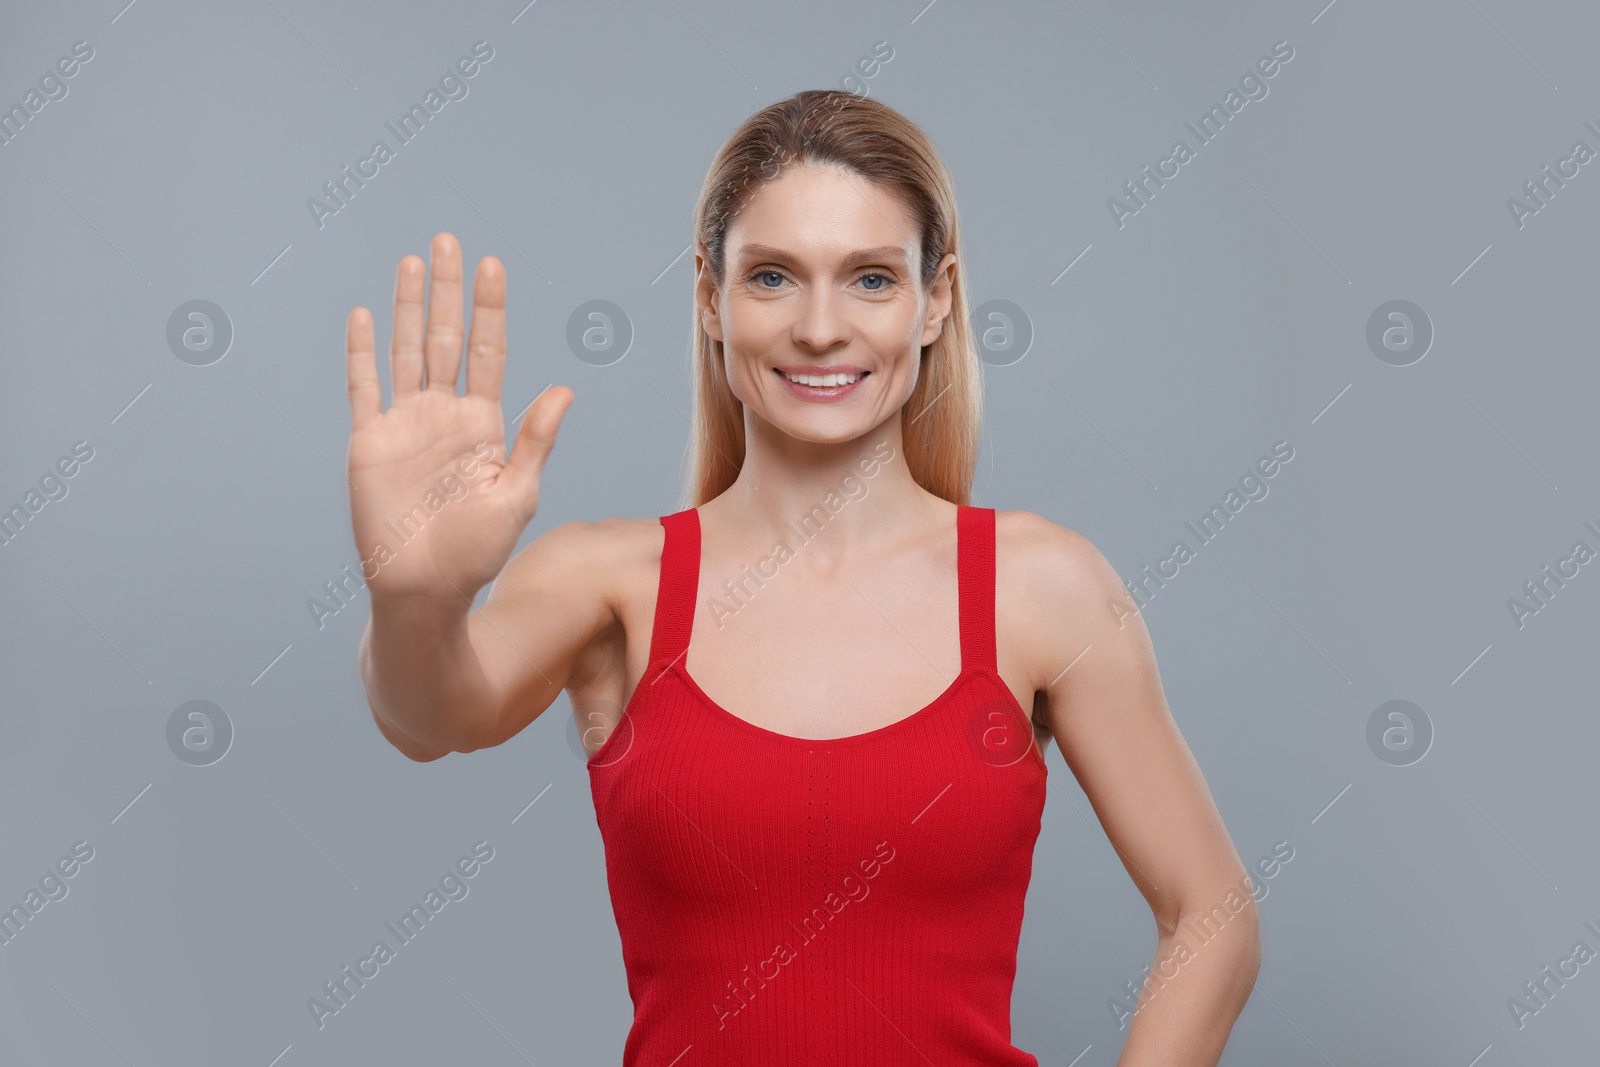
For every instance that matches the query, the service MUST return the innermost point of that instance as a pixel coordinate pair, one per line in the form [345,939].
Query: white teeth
[823,380]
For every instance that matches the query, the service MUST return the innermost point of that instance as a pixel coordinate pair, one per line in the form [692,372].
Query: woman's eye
[772,279]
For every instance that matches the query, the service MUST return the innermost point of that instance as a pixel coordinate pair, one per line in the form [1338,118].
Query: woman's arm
[442,678]
[438,501]
[1111,721]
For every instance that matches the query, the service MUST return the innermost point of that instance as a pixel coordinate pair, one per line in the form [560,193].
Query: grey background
[1228,314]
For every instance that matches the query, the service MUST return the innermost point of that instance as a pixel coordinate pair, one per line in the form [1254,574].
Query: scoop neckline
[680,666]
[678,669]
[681,669]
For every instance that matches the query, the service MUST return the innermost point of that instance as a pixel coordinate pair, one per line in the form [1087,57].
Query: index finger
[361,369]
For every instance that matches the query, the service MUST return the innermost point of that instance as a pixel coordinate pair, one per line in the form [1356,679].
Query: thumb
[535,438]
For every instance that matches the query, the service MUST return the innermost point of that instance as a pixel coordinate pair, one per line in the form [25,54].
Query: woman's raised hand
[436,505]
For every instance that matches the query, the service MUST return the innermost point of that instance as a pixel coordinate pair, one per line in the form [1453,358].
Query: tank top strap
[975,571]
[680,575]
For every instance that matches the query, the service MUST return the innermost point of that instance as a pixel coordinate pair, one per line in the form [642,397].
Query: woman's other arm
[1110,718]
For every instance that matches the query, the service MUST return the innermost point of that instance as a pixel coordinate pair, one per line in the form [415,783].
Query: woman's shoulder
[1032,544]
[599,551]
[1051,579]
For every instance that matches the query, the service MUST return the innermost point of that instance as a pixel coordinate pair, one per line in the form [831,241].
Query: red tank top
[849,901]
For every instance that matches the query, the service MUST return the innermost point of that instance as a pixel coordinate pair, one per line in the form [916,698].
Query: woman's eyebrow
[893,253]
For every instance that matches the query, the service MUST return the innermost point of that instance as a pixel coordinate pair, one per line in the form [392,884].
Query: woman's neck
[860,491]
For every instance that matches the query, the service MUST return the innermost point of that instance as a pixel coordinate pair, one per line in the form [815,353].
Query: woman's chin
[821,431]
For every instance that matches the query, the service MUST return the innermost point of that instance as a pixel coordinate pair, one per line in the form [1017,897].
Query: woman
[803,868]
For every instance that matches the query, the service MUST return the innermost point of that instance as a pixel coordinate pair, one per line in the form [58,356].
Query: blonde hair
[942,418]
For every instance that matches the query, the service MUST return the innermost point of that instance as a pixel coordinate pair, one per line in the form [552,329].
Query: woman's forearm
[1203,973]
[423,678]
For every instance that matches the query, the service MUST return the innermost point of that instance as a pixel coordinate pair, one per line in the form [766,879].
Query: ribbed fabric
[841,902]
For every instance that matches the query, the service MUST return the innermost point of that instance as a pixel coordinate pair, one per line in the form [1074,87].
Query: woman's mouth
[833,385]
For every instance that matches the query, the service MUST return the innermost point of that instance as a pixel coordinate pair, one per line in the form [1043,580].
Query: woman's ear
[941,294]
[705,296]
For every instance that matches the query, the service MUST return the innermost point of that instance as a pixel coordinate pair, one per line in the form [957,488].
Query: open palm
[436,504]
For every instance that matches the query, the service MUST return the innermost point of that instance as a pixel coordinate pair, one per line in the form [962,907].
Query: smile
[825,380]
[832,386]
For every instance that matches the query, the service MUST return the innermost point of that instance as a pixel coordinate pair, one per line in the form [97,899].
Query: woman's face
[821,280]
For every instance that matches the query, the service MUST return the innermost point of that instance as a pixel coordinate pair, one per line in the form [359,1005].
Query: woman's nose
[821,323]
